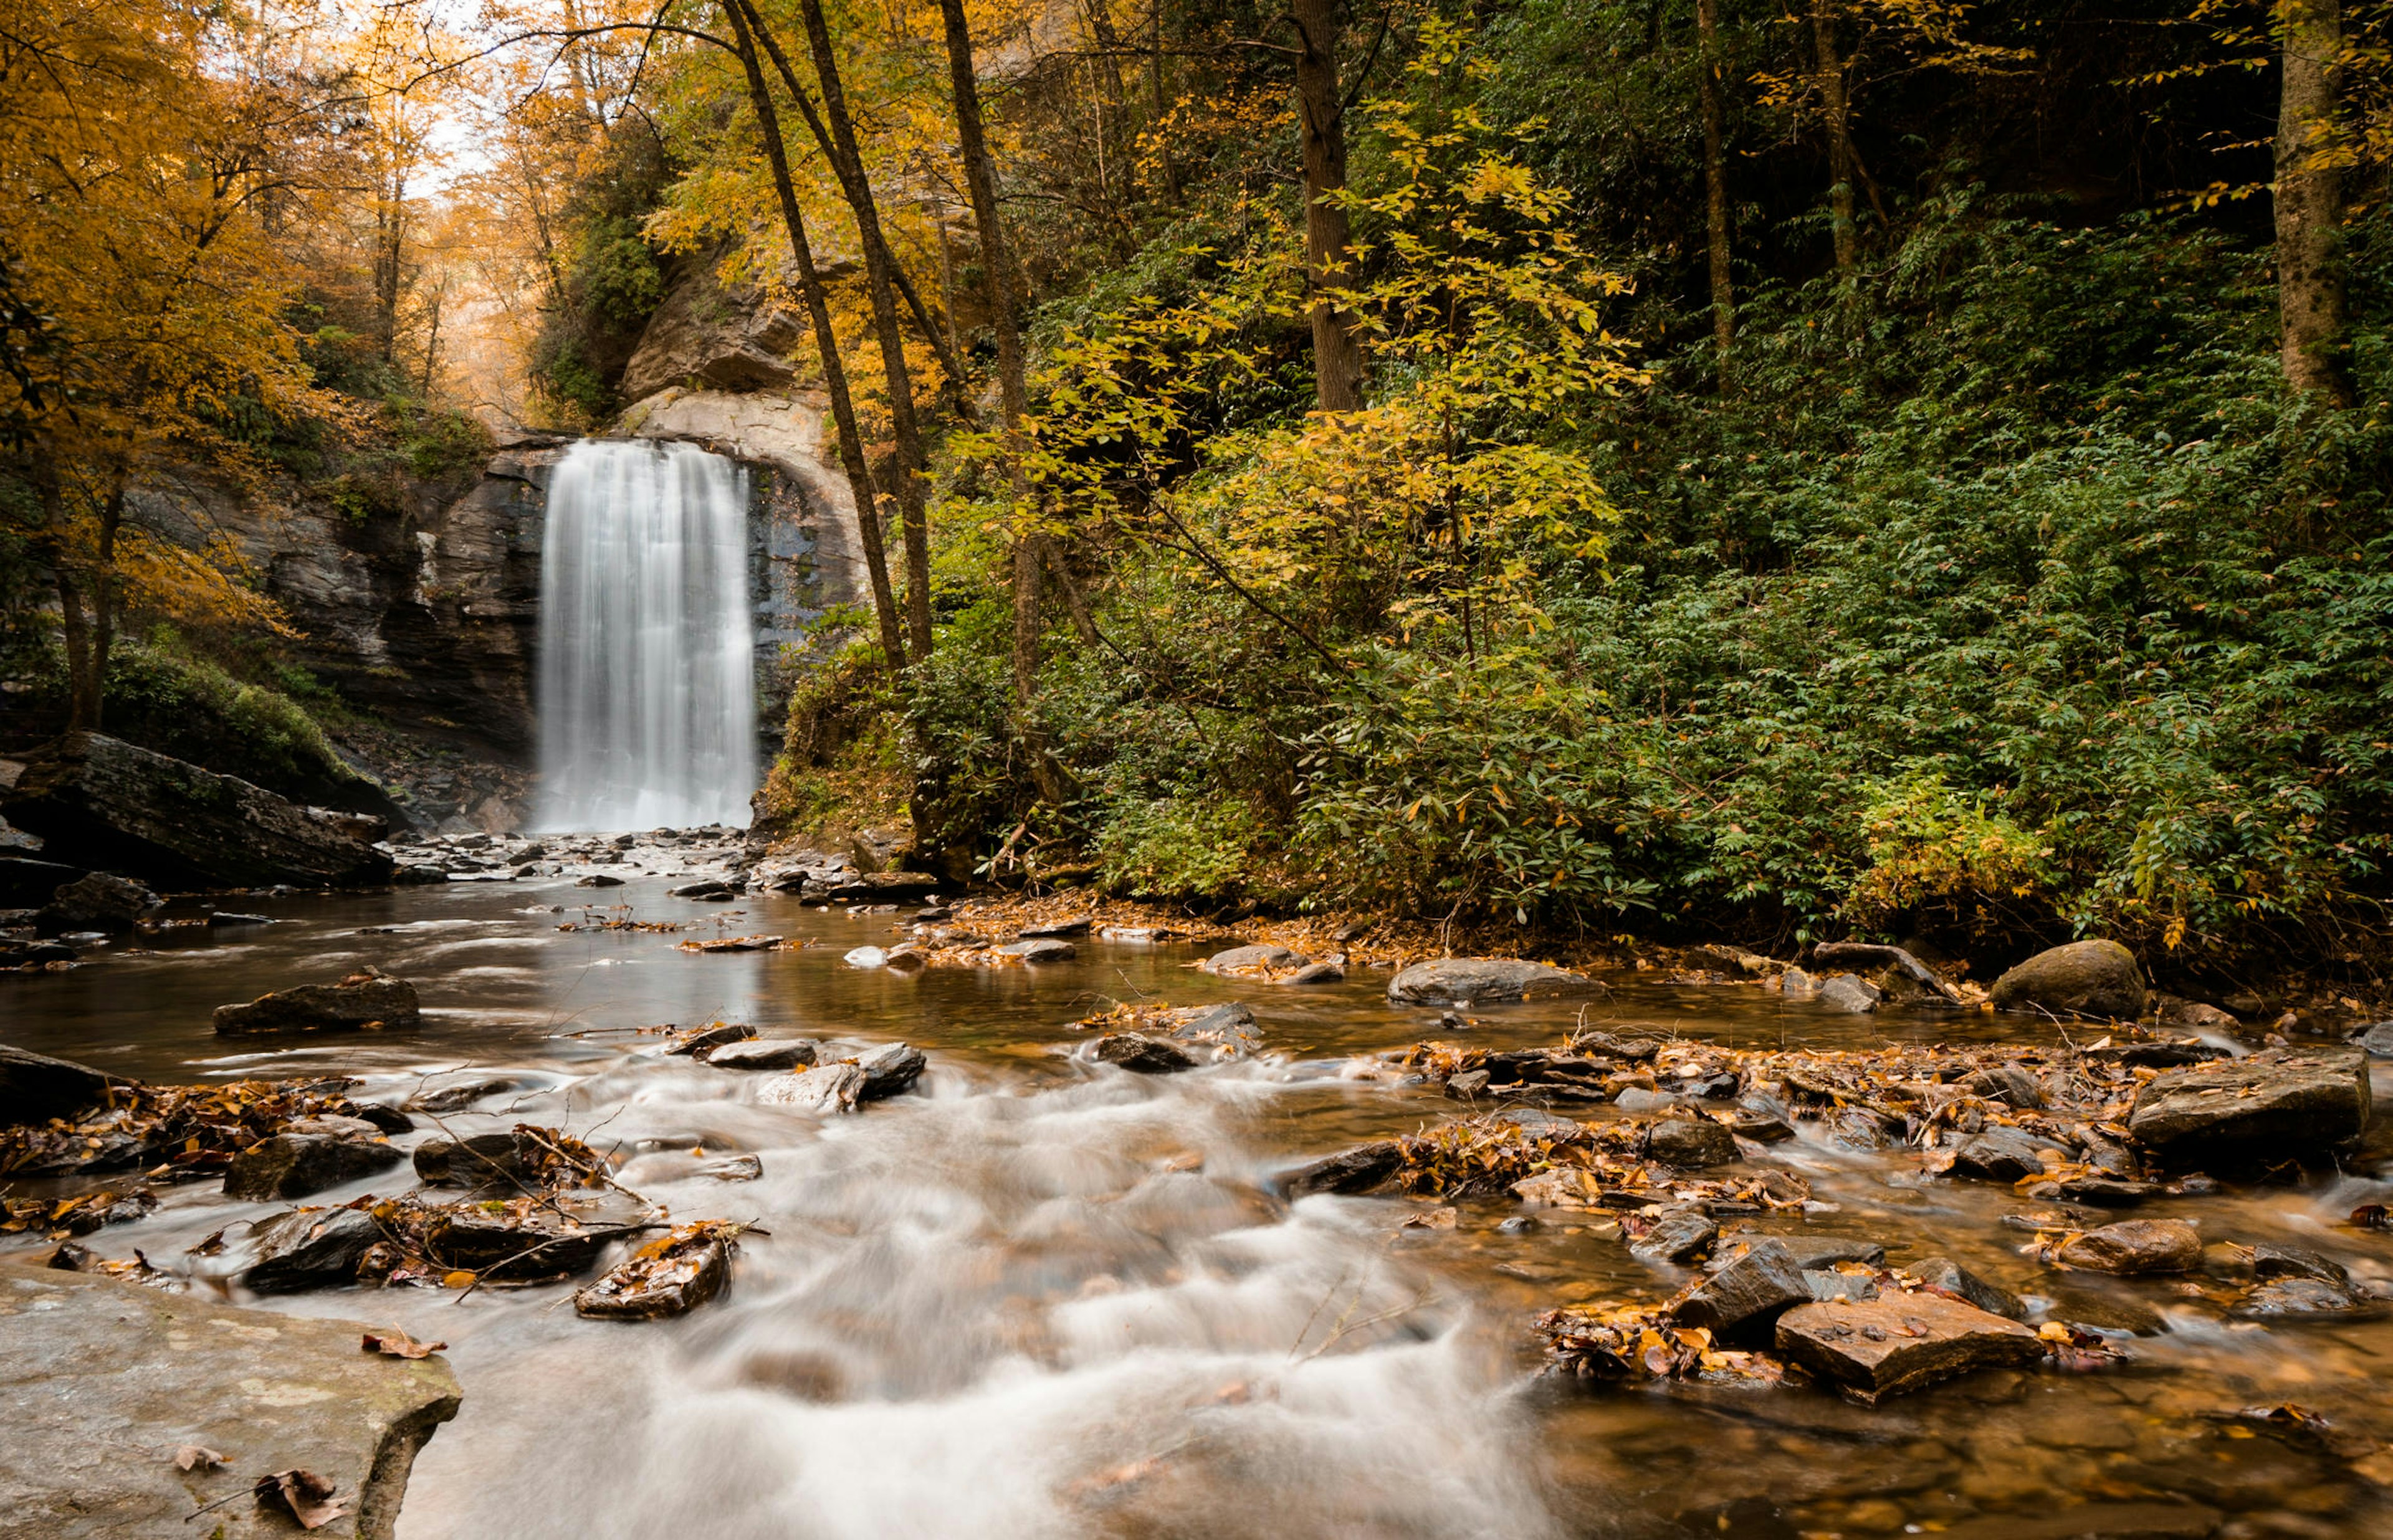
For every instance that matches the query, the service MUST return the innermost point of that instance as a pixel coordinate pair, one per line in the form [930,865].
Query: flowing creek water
[1046,1298]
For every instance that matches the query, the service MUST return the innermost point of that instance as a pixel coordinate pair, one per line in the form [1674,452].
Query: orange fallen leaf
[397,1344]
[307,1495]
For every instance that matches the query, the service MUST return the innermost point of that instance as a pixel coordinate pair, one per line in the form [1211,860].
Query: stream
[1043,1296]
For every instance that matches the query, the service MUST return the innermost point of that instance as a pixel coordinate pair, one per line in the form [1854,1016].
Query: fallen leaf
[307,1495]
[192,1456]
[459,1279]
[397,1344]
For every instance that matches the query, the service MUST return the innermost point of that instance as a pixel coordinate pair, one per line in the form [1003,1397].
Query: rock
[2136,1246]
[1141,1054]
[1467,1085]
[1850,954]
[2009,1084]
[705,1040]
[889,1069]
[1041,950]
[767,1053]
[1361,1170]
[2275,1105]
[225,917]
[1315,972]
[358,1002]
[504,1246]
[1054,930]
[1690,1142]
[1475,981]
[103,1379]
[828,1089]
[2085,978]
[417,876]
[100,902]
[710,888]
[1851,993]
[2377,1040]
[2001,1155]
[1943,1273]
[730,337]
[1861,1128]
[1678,1237]
[671,1276]
[308,1248]
[2104,1191]
[596,879]
[2296,1296]
[1743,1298]
[885,887]
[2271,1260]
[1796,985]
[745,1168]
[1829,1283]
[501,1161]
[1250,959]
[1813,1252]
[2104,1312]
[294,1165]
[2198,1017]
[35,1087]
[1899,1343]
[458,1094]
[1762,1124]
[129,810]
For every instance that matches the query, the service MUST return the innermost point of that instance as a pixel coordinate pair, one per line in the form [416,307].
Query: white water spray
[647,705]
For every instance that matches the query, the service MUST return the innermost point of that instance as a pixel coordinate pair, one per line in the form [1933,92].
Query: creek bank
[102,1380]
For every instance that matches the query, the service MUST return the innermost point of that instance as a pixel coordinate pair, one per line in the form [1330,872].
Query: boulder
[596,879]
[308,1248]
[99,902]
[884,887]
[2001,1153]
[1058,930]
[2009,1084]
[2135,1245]
[1364,1169]
[706,333]
[2085,978]
[2279,1298]
[830,1088]
[502,1244]
[1898,1343]
[671,1276]
[1943,1273]
[1744,1297]
[1690,1142]
[705,1041]
[356,1003]
[1919,980]
[1849,992]
[105,1379]
[1040,949]
[129,810]
[1251,959]
[35,1087]
[710,888]
[2376,1040]
[2269,1260]
[769,1053]
[1477,981]
[1680,1237]
[1315,972]
[2277,1105]
[1141,1054]
[294,1165]
[499,1161]
[888,1070]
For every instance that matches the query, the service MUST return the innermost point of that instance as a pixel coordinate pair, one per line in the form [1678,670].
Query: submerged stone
[1474,980]
[1141,1054]
[1899,1343]
[356,1003]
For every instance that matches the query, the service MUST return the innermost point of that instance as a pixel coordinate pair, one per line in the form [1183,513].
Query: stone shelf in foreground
[102,1381]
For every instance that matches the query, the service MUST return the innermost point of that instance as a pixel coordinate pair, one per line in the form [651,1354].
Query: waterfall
[647,689]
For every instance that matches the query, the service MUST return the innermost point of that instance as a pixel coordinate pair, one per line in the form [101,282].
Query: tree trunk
[856,188]
[1830,77]
[912,507]
[2310,207]
[1707,74]
[1337,352]
[996,266]
[390,234]
[843,409]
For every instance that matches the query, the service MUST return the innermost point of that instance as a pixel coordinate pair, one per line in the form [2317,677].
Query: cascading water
[646,703]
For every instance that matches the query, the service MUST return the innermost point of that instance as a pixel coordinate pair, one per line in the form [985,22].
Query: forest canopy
[1878,466]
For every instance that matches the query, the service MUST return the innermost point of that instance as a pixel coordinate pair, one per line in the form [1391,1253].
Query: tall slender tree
[1321,112]
[2310,304]
[1828,74]
[1716,230]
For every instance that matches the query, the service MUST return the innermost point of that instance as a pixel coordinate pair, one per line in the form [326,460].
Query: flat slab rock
[1474,980]
[102,1380]
[1897,1343]
[2276,1104]
[355,1004]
